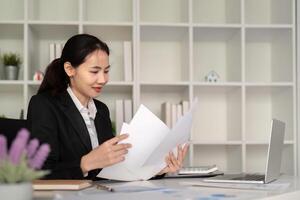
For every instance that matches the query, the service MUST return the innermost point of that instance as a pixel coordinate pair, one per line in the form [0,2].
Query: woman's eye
[106,72]
[94,72]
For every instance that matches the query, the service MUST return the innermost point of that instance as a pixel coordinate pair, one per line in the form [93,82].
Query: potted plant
[11,62]
[20,165]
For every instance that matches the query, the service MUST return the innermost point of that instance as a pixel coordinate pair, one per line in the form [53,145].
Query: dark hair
[75,51]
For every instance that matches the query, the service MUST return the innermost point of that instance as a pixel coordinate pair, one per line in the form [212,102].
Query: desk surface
[286,187]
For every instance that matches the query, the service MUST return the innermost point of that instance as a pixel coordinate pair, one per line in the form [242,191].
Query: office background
[250,44]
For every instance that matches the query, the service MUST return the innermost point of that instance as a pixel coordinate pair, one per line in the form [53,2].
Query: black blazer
[57,121]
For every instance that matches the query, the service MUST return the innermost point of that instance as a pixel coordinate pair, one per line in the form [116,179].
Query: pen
[103,187]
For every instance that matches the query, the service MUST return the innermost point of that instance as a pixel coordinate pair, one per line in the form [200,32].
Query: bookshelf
[175,43]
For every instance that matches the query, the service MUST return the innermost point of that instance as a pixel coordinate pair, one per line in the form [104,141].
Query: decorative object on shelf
[38,76]
[11,62]
[20,165]
[212,76]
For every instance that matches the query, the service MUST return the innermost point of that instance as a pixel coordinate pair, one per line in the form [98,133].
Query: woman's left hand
[175,163]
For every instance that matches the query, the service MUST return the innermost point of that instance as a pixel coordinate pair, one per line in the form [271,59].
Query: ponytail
[56,79]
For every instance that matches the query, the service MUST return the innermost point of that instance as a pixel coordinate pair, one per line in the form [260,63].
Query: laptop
[273,161]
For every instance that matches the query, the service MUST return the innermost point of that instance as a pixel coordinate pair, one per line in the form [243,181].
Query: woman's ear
[69,69]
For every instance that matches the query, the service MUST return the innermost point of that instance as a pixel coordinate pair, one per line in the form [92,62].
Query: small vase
[16,191]
[11,72]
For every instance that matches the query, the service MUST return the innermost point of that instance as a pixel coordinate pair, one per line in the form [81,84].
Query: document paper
[151,141]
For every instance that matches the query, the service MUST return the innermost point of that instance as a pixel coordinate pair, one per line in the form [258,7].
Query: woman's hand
[173,163]
[107,154]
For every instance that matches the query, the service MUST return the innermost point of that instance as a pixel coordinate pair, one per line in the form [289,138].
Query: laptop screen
[275,150]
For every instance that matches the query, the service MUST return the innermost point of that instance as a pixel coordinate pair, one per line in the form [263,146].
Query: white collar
[92,110]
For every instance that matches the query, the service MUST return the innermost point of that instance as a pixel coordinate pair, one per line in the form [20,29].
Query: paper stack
[151,141]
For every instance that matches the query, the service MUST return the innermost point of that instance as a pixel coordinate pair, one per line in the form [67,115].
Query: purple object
[32,147]
[3,147]
[18,146]
[38,160]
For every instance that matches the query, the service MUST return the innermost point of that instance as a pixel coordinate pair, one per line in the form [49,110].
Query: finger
[117,160]
[120,153]
[179,154]
[171,167]
[185,149]
[117,139]
[174,161]
[118,147]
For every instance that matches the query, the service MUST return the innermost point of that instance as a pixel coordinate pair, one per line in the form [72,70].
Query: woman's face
[88,79]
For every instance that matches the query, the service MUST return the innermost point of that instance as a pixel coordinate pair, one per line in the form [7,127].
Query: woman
[65,114]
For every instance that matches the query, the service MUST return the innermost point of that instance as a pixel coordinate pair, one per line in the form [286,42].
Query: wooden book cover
[61,184]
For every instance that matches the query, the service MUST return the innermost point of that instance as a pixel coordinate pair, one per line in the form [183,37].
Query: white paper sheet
[151,141]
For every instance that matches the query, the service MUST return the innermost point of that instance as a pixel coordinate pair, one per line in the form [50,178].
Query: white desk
[176,189]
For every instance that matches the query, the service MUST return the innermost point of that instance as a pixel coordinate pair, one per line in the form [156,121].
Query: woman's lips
[97,89]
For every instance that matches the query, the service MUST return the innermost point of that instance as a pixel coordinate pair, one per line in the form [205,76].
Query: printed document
[151,141]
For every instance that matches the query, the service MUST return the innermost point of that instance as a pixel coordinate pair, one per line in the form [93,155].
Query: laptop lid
[275,150]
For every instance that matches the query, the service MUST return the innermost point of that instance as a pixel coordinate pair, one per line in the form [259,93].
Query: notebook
[198,170]
[272,171]
[61,184]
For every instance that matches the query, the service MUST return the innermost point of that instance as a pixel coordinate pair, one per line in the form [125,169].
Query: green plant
[11,59]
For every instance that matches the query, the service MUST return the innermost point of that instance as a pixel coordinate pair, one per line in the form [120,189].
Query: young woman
[65,114]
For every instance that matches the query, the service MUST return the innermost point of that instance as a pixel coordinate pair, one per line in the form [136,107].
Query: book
[198,170]
[58,49]
[127,110]
[119,115]
[127,56]
[51,52]
[61,184]
[166,113]
[173,114]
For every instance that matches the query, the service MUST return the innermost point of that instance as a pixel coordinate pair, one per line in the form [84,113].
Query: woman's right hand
[106,154]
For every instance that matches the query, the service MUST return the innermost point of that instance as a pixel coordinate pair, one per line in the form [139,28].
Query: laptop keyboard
[251,177]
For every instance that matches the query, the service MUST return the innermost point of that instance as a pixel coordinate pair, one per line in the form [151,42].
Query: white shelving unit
[175,44]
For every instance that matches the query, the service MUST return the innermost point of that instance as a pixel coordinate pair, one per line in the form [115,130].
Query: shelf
[11,82]
[12,40]
[11,10]
[225,143]
[257,142]
[269,52]
[268,11]
[219,84]
[227,158]
[175,11]
[145,83]
[107,10]
[54,10]
[164,50]
[114,36]
[265,103]
[40,37]
[11,100]
[216,11]
[256,159]
[163,24]
[152,96]
[217,49]
[218,114]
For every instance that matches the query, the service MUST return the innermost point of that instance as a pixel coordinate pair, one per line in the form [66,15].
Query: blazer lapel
[75,118]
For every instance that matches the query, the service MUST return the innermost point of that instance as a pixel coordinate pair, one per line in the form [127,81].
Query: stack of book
[123,113]
[172,112]
[55,50]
